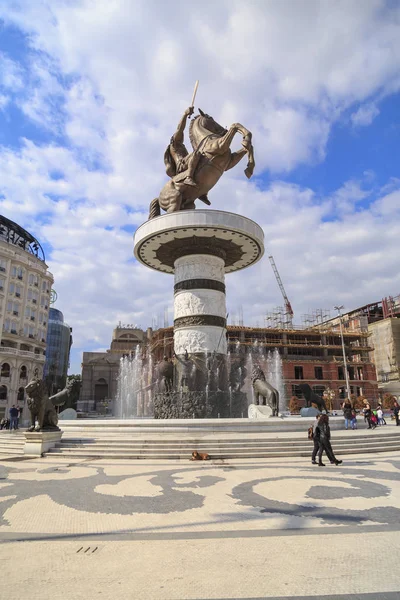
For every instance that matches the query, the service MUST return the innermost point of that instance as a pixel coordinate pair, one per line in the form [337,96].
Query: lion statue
[269,395]
[42,408]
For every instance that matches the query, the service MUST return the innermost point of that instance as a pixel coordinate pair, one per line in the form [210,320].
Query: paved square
[219,529]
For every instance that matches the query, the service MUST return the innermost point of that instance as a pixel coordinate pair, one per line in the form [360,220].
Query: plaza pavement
[219,529]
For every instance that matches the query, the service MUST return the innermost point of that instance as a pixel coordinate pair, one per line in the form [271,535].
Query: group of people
[374,417]
[321,437]
[13,422]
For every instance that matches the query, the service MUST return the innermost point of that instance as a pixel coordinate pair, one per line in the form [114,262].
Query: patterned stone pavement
[218,529]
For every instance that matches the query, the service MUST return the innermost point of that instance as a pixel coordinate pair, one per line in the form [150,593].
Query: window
[296,391]
[3,265]
[23,372]
[360,374]
[3,392]
[351,373]
[17,272]
[33,279]
[7,325]
[14,326]
[319,389]
[341,373]
[5,370]
[298,373]
[13,307]
[319,372]
[2,283]
[21,394]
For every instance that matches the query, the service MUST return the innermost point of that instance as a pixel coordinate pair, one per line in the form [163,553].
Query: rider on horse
[180,165]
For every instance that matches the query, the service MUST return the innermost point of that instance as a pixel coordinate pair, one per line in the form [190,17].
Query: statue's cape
[169,162]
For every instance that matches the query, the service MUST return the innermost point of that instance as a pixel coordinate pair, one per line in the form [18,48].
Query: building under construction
[382,321]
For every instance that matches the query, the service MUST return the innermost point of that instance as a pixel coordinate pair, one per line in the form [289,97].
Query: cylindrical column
[199,305]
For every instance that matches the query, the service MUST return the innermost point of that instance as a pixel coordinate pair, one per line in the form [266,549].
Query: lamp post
[339,308]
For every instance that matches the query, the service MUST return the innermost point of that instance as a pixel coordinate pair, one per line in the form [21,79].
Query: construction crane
[288,306]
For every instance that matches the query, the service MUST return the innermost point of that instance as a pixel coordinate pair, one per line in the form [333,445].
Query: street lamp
[339,308]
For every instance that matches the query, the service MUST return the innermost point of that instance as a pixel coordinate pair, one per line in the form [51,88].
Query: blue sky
[89,99]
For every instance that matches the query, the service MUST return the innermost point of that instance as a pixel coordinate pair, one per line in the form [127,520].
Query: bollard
[193,415]
[219,415]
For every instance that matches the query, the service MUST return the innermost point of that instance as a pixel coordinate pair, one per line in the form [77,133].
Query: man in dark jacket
[316,442]
[347,412]
[13,417]
[396,409]
[325,441]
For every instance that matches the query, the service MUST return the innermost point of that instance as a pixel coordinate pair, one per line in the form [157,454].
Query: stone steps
[156,455]
[136,447]
[11,443]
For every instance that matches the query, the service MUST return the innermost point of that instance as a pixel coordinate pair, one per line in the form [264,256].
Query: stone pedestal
[38,442]
[199,247]
[309,411]
[256,411]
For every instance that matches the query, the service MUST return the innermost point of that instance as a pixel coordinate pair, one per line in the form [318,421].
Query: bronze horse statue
[212,143]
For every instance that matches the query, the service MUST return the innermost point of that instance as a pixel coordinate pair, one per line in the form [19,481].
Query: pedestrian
[379,414]
[396,409]
[353,419]
[368,416]
[315,438]
[347,410]
[3,423]
[13,417]
[325,441]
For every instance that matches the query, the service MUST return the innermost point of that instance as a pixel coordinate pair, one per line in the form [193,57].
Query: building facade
[382,320]
[312,356]
[58,346]
[100,369]
[25,285]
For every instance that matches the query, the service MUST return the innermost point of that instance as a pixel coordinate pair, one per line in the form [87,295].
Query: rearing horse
[212,142]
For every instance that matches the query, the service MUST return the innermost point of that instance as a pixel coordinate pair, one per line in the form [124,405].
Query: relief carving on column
[194,267]
[200,303]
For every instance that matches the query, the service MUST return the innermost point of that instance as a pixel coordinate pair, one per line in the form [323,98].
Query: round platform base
[239,241]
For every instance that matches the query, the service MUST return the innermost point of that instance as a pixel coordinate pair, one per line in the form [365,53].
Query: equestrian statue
[193,175]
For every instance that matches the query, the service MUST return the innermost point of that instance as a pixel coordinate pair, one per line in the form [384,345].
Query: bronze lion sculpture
[41,407]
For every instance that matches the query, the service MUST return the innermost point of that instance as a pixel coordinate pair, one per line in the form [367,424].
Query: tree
[294,404]
[359,402]
[388,400]
[76,383]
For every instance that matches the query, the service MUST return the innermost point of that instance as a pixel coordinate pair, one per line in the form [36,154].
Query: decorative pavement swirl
[171,529]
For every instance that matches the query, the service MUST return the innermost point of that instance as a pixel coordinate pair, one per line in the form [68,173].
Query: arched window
[21,394]
[3,392]
[5,370]
[23,372]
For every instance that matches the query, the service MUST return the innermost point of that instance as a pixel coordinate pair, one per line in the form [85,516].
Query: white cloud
[364,115]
